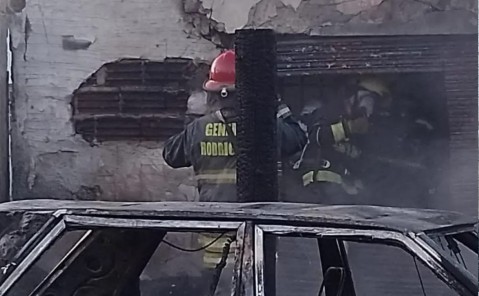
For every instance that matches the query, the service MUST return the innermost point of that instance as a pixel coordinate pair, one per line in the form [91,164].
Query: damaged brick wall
[58,44]
[136,99]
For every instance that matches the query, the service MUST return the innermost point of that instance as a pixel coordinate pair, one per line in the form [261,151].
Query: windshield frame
[65,222]
[462,274]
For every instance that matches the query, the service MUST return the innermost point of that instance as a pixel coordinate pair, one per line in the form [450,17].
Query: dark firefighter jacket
[206,145]
[323,169]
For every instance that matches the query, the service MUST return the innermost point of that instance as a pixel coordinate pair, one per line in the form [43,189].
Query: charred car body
[102,248]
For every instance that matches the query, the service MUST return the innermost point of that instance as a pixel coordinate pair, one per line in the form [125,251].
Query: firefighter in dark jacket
[326,164]
[207,144]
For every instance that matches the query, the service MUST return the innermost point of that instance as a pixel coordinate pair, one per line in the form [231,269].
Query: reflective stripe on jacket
[326,176]
[226,176]
[213,254]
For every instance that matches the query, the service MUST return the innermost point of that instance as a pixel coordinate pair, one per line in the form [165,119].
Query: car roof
[357,216]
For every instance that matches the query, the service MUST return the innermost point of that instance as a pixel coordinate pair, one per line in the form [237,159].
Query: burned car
[52,247]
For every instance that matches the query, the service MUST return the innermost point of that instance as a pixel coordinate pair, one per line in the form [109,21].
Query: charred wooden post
[256,133]
[257,162]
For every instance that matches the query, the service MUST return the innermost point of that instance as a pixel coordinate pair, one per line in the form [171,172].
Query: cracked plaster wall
[59,43]
[48,159]
[347,17]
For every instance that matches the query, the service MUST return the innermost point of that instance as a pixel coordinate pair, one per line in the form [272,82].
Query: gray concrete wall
[4,160]
[49,160]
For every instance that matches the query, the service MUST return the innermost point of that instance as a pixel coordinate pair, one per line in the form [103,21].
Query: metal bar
[80,241]
[323,231]
[247,265]
[330,257]
[452,229]
[349,285]
[61,266]
[259,260]
[32,257]
[49,223]
[240,234]
[77,221]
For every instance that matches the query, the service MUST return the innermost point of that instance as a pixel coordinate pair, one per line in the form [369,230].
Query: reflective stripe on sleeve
[338,132]
[328,176]
[283,112]
[308,178]
[321,176]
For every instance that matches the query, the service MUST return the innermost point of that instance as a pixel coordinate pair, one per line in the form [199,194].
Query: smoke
[405,154]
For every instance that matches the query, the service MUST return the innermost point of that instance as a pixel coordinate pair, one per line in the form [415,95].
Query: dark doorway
[406,153]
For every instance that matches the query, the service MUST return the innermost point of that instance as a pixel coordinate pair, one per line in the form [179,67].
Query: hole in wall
[136,99]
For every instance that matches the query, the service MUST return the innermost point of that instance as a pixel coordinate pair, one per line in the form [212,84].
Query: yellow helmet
[377,85]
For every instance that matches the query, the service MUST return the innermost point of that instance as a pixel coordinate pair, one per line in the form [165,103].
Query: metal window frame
[79,221]
[33,256]
[428,256]
[243,280]
[451,230]
[439,256]
[75,222]
[249,265]
[259,260]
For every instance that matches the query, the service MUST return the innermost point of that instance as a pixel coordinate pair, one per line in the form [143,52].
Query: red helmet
[222,74]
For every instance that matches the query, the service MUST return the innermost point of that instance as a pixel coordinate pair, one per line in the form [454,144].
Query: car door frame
[243,279]
[425,254]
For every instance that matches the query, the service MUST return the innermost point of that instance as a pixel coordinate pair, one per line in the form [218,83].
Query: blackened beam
[257,136]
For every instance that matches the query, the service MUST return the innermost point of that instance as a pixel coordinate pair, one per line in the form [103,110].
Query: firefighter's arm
[175,152]
[328,134]
[292,137]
